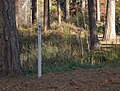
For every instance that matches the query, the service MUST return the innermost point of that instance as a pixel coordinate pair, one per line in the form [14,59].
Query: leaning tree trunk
[110,32]
[92,26]
[9,47]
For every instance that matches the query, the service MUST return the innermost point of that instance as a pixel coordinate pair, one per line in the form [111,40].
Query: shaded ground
[94,79]
[99,79]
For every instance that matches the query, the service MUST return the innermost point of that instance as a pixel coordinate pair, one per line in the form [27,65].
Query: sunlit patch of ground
[114,41]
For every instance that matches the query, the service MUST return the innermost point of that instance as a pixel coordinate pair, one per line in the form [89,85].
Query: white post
[39,51]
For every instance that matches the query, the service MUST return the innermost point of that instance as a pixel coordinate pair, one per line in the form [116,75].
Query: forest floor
[115,41]
[94,79]
[80,79]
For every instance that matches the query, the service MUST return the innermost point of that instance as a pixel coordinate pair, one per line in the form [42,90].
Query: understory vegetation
[64,48]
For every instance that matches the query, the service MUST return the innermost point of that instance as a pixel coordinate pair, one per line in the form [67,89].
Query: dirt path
[100,79]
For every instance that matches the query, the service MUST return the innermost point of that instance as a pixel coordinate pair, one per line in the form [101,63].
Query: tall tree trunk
[9,47]
[94,43]
[16,12]
[110,20]
[83,13]
[34,11]
[83,5]
[59,11]
[49,14]
[67,15]
[98,10]
[46,15]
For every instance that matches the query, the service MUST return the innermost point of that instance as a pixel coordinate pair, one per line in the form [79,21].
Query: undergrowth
[64,48]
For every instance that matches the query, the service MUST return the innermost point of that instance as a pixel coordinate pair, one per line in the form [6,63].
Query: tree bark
[34,11]
[110,32]
[94,43]
[46,15]
[9,47]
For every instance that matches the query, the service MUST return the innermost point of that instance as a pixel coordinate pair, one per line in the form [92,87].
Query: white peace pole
[39,51]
